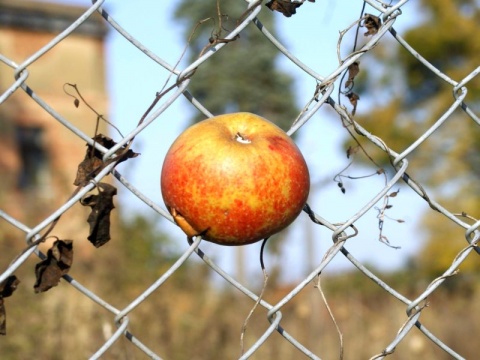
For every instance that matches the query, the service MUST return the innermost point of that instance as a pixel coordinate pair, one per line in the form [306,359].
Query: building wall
[39,156]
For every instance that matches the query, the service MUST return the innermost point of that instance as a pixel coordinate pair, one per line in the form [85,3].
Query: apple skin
[234,179]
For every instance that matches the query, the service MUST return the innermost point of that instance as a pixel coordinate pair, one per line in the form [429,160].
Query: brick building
[39,155]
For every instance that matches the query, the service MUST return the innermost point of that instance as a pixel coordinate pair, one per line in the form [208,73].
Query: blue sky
[311,35]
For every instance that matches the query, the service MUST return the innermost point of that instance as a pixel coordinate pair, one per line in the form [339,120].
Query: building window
[34,172]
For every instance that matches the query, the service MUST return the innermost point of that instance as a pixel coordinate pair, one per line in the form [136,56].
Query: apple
[234,179]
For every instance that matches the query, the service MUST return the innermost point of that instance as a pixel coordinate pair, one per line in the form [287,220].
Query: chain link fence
[379,27]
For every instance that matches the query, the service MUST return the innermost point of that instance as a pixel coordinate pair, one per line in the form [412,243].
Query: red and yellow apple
[234,179]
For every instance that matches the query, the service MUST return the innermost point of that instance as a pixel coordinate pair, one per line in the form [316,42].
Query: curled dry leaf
[183,224]
[353,70]
[3,318]
[394,193]
[352,150]
[7,287]
[92,164]
[89,167]
[58,262]
[353,98]
[286,7]
[372,23]
[99,218]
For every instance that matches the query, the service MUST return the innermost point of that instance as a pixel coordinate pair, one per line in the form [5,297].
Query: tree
[242,77]
[407,99]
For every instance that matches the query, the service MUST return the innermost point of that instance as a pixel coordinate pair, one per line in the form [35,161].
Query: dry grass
[187,318]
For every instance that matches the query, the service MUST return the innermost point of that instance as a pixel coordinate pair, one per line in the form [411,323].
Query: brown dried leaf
[92,164]
[7,287]
[286,7]
[393,194]
[58,262]
[353,70]
[99,218]
[372,23]
[353,100]
[3,318]
[88,168]
[352,150]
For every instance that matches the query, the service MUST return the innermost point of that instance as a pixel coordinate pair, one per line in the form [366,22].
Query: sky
[311,35]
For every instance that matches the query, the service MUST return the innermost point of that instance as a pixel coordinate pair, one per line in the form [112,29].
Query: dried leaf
[58,262]
[3,318]
[183,223]
[353,98]
[7,287]
[395,193]
[92,164]
[286,7]
[372,23]
[352,150]
[88,168]
[353,70]
[99,218]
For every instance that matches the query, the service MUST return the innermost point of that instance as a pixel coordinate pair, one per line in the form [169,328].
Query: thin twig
[332,316]
[259,299]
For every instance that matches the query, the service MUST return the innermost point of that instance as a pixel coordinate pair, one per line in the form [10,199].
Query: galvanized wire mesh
[341,234]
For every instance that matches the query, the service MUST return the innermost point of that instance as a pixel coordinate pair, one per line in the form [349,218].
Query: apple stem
[241,139]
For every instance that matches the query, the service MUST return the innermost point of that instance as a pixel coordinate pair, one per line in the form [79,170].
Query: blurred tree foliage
[188,309]
[407,99]
[244,77]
